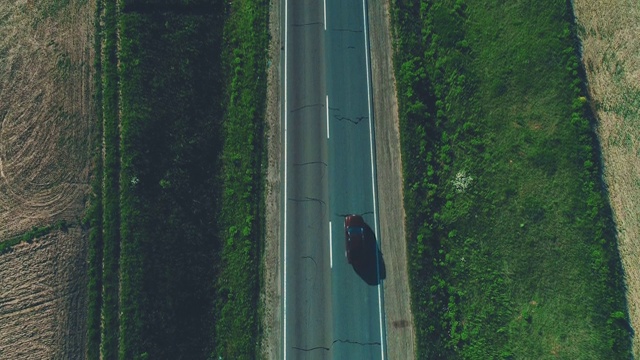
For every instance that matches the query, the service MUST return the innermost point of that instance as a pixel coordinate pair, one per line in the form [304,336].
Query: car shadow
[368,262]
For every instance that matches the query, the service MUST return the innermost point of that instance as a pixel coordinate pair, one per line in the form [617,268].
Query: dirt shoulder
[611,57]
[271,281]
[399,320]
[400,328]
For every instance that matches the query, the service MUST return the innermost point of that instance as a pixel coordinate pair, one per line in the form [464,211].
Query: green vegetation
[94,213]
[31,235]
[180,222]
[512,249]
[244,65]
[170,145]
[110,184]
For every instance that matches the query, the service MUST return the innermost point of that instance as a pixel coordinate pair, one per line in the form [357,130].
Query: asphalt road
[331,310]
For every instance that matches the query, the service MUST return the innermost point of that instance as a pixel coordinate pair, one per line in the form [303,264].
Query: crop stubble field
[45,129]
[611,55]
[45,99]
[42,298]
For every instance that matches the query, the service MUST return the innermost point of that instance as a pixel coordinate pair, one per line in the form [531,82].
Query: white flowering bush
[462,181]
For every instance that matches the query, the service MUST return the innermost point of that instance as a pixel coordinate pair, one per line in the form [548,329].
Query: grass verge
[512,252]
[94,213]
[110,183]
[242,216]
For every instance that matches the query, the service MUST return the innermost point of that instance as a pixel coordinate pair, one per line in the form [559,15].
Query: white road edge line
[284,306]
[330,246]
[373,178]
[328,121]
[325,15]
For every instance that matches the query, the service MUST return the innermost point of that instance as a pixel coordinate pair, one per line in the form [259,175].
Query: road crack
[307,198]
[310,163]
[308,24]
[348,30]
[346,341]
[305,106]
[355,121]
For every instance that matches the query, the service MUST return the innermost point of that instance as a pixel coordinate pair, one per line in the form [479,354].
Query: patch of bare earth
[399,320]
[43,298]
[46,61]
[45,94]
[611,55]
[272,289]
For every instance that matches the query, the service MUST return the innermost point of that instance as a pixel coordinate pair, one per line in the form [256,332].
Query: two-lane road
[331,310]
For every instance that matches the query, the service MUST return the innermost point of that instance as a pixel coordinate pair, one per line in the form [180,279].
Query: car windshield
[355,231]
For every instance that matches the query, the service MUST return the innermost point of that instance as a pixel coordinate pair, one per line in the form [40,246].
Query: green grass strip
[94,213]
[238,287]
[110,183]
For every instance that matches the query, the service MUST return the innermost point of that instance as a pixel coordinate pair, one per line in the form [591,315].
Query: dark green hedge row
[245,44]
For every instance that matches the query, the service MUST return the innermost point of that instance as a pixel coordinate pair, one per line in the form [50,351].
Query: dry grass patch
[42,298]
[45,111]
[611,56]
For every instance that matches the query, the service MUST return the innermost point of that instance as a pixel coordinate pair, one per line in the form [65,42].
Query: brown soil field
[46,61]
[399,320]
[42,298]
[608,30]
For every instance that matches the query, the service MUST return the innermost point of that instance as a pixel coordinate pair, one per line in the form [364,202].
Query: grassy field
[512,247]
[242,213]
[181,174]
[611,56]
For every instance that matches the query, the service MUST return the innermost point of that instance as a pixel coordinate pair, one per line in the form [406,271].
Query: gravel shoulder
[272,256]
[400,328]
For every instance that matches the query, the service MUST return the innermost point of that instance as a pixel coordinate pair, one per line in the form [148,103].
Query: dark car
[354,236]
